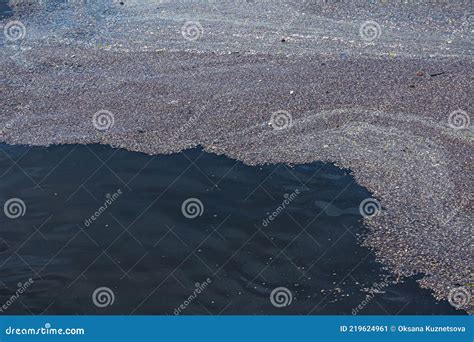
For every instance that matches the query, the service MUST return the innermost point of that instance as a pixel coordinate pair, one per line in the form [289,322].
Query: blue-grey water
[151,256]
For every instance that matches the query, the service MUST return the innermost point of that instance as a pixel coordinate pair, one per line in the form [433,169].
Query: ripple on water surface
[105,230]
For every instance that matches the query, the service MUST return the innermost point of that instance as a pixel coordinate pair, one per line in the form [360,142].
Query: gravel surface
[381,108]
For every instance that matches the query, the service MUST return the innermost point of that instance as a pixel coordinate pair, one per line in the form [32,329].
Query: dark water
[151,256]
[5,10]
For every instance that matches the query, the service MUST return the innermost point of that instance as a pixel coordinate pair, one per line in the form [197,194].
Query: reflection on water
[106,231]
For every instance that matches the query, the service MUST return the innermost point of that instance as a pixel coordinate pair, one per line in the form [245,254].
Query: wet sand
[382,114]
